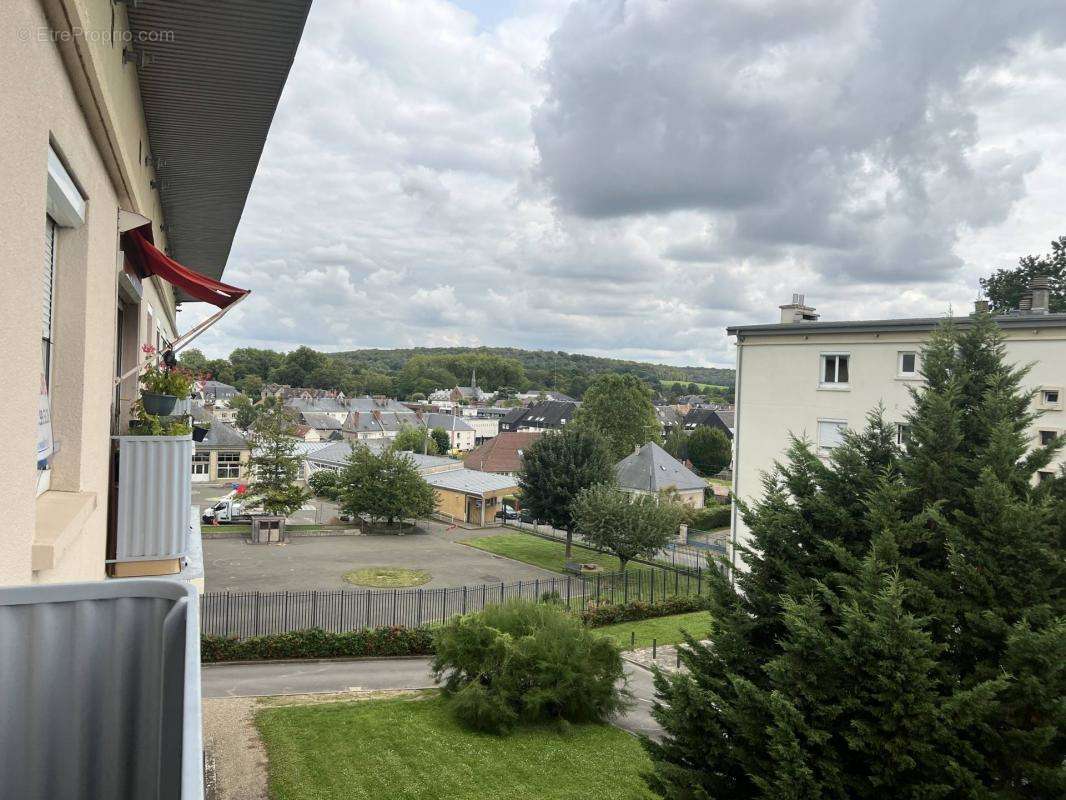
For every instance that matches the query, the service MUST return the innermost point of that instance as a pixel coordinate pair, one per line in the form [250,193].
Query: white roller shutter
[48,280]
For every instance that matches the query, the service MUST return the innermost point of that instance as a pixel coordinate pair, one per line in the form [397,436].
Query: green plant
[323,483]
[317,643]
[387,577]
[440,436]
[709,450]
[274,463]
[712,517]
[159,378]
[145,424]
[415,440]
[597,616]
[525,662]
[384,487]
[628,526]
[619,407]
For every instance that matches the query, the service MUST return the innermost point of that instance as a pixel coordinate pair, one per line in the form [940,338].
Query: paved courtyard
[319,562]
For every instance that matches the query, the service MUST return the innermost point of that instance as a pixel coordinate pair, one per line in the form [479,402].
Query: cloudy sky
[628,177]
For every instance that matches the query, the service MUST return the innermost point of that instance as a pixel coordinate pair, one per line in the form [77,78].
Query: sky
[626,178]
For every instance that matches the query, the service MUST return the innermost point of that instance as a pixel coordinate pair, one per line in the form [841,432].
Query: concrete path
[247,680]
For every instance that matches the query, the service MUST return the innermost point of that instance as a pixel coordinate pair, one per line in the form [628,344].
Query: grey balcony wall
[154,496]
[100,691]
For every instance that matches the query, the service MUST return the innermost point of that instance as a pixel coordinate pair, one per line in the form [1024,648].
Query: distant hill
[544,367]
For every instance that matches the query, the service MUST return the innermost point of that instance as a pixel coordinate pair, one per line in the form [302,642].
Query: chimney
[797,311]
[1025,305]
[980,306]
[1040,292]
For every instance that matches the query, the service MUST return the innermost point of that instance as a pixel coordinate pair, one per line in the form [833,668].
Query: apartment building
[816,378]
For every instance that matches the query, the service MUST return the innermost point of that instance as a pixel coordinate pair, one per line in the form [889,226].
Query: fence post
[368,608]
[536,588]
[314,607]
[501,592]
[597,587]
[287,620]
[420,607]
[443,605]
[568,579]
[625,587]
[652,581]
[256,623]
[653,649]
[464,599]
[394,604]
[226,614]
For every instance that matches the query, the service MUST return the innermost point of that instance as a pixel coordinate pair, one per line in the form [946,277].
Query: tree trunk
[569,544]
[622,563]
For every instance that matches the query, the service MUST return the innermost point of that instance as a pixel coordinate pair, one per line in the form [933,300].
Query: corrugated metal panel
[154,496]
[100,692]
[216,73]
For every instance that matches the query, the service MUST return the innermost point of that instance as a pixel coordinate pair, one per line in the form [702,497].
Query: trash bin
[268,530]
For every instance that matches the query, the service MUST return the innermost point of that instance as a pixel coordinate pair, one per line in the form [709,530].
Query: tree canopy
[709,450]
[1004,288]
[416,439]
[275,465]
[629,526]
[619,408]
[385,486]
[900,627]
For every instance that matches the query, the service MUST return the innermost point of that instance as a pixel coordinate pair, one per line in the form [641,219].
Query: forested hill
[544,368]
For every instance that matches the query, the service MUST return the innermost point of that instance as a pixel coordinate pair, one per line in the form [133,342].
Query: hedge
[317,643]
[712,517]
[598,616]
[400,641]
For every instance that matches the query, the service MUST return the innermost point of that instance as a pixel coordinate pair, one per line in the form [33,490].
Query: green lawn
[401,749]
[664,630]
[544,553]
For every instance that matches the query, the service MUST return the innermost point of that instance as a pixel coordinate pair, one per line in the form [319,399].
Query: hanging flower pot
[161,405]
[199,432]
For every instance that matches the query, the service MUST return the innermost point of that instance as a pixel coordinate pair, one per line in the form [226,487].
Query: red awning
[150,260]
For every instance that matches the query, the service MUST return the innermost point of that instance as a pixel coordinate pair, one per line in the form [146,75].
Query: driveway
[245,680]
[319,562]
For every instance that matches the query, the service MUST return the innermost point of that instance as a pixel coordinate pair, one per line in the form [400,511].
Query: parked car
[507,513]
[526,516]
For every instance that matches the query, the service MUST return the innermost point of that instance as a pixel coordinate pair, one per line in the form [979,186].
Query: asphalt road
[249,680]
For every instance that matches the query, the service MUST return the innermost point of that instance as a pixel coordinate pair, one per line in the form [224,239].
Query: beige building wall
[779,389]
[74,94]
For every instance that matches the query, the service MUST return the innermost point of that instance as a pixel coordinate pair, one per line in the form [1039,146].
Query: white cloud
[628,178]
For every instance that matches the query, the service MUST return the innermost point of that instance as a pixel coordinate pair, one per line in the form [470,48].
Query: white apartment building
[810,378]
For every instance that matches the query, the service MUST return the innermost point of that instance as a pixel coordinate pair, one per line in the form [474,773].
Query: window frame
[228,464]
[1052,404]
[201,459]
[903,430]
[835,385]
[900,372]
[842,425]
[1040,435]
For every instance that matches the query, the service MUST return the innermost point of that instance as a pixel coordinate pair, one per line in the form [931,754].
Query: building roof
[652,469]
[210,85]
[222,435]
[471,481]
[547,414]
[502,453]
[668,415]
[320,420]
[711,417]
[336,455]
[1016,320]
[218,391]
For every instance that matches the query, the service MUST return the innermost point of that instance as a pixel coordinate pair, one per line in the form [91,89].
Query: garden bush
[596,616]
[525,663]
[323,483]
[317,643]
[712,517]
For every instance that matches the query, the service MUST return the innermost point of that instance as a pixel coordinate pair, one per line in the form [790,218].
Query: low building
[710,418]
[503,454]
[650,470]
[470,496]
[223,455]
[547,415]
[323,423]
[334,456]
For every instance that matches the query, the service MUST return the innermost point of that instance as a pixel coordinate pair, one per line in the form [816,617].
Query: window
[903,434]
[229,465]
[1049,398]
[1044,476]
[48,280]
[835,369]
[1047,437]
[201,463]
[831,433]
[908,364]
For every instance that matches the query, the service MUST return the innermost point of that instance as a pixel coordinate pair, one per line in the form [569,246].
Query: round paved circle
[387,577]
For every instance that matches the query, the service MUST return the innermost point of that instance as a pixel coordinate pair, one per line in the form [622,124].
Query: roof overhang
[920,324]
[213,76]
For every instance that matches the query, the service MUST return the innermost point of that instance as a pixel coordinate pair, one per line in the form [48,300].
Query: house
[470,496]
[216,392]
[286,393]
[709,418]
[305,433]
[547,415]
[816,378]
[669,418]
[461,433]
[502,454]
[223,455]
[323,423]
[334,456]
[650,470]
[529,398]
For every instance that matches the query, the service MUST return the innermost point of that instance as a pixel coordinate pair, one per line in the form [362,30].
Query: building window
[835,369]
[1047,437]
[229,465]
[201,463]
[1044,476]
[1050,398]
[903,434]
[908,364]
[831,433]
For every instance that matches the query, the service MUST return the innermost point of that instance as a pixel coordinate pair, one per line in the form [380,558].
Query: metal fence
[259,613]
[673,556]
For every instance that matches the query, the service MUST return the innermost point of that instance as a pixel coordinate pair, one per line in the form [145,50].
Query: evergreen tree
[440,436]
[709,450]
[900,630]
[275,465]
[556,468]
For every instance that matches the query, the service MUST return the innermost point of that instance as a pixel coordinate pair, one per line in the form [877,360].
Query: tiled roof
[223,435]
[470,481]
[503,453]
[652,469]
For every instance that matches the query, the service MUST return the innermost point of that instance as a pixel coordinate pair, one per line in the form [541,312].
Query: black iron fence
[244,614]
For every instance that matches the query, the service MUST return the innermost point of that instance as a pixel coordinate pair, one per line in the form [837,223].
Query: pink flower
[147,348]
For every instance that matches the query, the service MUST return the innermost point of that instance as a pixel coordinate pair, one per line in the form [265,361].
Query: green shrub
[596,616]
[317,643]
[323,483]
[712,517]
[525,662]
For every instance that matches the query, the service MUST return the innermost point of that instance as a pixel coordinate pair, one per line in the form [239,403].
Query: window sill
[914,377]
[61,516]
[834,387]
